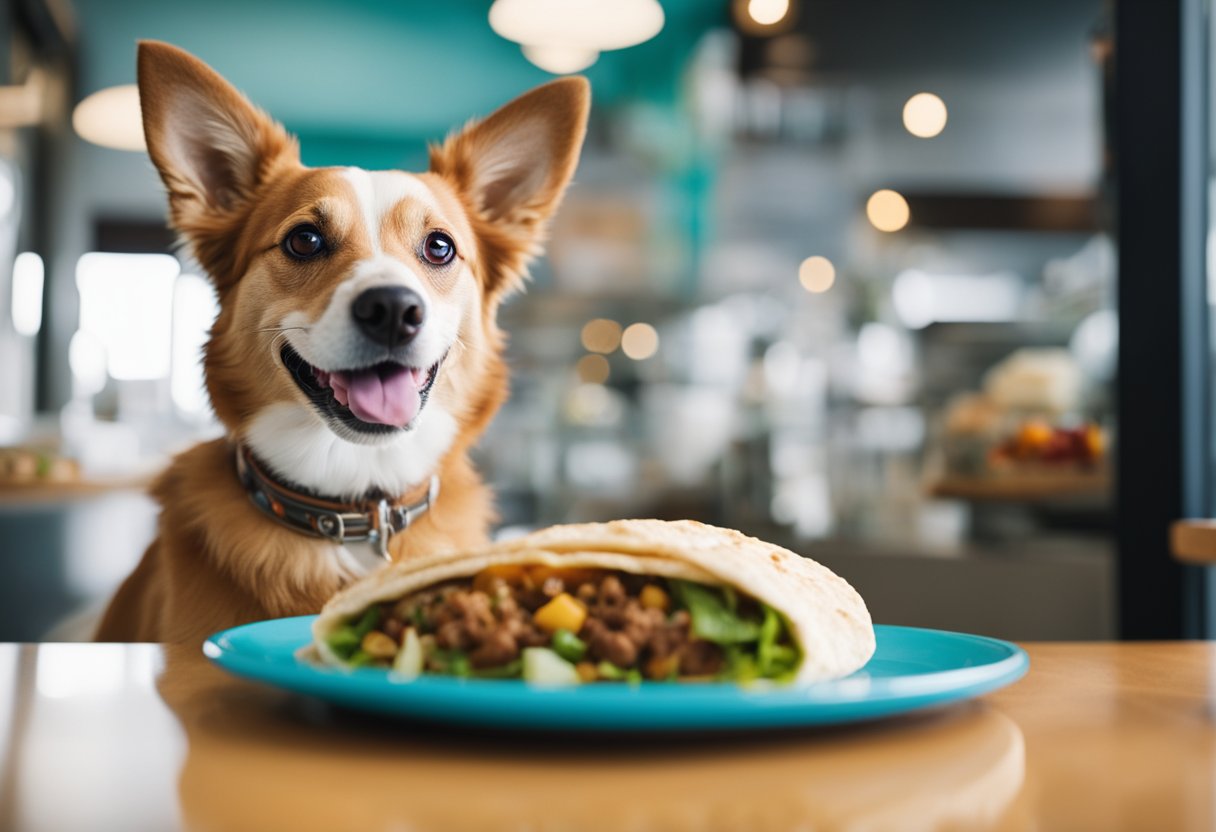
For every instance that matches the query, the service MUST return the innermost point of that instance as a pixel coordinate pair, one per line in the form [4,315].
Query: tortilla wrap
[826,617]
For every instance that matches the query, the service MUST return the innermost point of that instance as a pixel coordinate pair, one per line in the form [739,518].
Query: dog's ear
[212,148]
[512,168]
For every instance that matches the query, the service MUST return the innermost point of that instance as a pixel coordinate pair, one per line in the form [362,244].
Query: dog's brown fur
[217,561]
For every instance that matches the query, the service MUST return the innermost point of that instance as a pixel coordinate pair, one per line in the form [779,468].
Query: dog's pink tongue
[387,396]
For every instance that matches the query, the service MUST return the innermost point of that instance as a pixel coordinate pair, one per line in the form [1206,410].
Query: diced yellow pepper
[562,613]
[654,598]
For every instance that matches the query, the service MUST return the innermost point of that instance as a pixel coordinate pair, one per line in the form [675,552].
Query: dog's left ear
[213,150]
[512,168]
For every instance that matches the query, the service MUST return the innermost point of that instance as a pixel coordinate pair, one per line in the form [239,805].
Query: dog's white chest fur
[293,441]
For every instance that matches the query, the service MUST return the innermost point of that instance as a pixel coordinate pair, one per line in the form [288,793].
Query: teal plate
[912,669]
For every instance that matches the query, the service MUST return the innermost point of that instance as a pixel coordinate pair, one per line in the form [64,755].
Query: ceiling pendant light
[111,118]
[560,60]
[564,36]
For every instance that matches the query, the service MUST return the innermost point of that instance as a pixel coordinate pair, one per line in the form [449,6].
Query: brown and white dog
[356,355]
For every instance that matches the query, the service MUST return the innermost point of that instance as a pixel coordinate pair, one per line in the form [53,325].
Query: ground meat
[491,627]
[493,624]
[393,628]
[672,636]
[700,658]
[618,627]
[608,644]
[621,631]
[464,620]
[499,648]
[611,594]
[640,622]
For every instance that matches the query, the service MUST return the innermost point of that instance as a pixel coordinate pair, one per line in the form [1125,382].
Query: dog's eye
[438,248]
[303,242]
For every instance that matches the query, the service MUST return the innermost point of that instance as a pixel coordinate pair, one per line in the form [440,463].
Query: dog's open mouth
[384,397]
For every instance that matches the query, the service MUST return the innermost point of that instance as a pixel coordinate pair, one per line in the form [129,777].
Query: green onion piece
[775,660]
[418,616]
[785,662]
[368,621]
[344,641]
[740,665]
[510,670]
[731,597]
[569,646]
[361,658]
[769,630]
[451,662]
[607,670]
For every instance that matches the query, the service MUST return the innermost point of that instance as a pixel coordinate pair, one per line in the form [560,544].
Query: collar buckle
[382,529]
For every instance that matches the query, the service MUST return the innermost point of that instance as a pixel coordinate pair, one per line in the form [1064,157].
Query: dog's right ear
[512,168]
[212,148]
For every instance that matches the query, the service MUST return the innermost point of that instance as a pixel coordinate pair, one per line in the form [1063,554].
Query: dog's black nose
[389,315]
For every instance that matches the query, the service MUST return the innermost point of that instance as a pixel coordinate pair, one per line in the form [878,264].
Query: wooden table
[108,737]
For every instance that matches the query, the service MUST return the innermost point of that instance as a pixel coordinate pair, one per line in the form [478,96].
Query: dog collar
[375,520]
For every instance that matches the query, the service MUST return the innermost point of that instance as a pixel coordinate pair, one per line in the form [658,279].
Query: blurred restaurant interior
[839,274]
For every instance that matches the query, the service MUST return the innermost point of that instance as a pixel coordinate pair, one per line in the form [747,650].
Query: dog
[356,357]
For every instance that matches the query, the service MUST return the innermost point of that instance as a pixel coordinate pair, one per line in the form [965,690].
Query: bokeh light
[640,341]
[592,369]
[111,118]
[925,115]
[768,12]
[560,60]
[601,335]
[816,274]
[888,210]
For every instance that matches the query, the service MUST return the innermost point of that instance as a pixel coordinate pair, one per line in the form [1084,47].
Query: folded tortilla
[826,618]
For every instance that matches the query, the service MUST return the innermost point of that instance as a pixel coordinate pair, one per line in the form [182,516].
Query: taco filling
[565,626]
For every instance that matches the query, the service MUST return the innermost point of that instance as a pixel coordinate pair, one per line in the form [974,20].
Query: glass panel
[876,262]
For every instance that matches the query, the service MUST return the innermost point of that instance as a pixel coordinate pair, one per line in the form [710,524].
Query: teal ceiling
[369,81]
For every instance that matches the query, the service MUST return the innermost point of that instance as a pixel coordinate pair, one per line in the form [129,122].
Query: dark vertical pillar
[1160,136]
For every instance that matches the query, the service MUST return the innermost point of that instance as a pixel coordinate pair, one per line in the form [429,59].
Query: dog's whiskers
[278,339]
[282,329]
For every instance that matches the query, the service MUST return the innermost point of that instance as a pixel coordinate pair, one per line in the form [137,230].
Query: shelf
[1029,487]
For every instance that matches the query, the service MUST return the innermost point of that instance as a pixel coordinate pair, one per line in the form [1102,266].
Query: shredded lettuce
[752,649]
[769,631]
[732,597]
[774,660]
[712,617]
[343,641]
[346,639]
[740,664]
